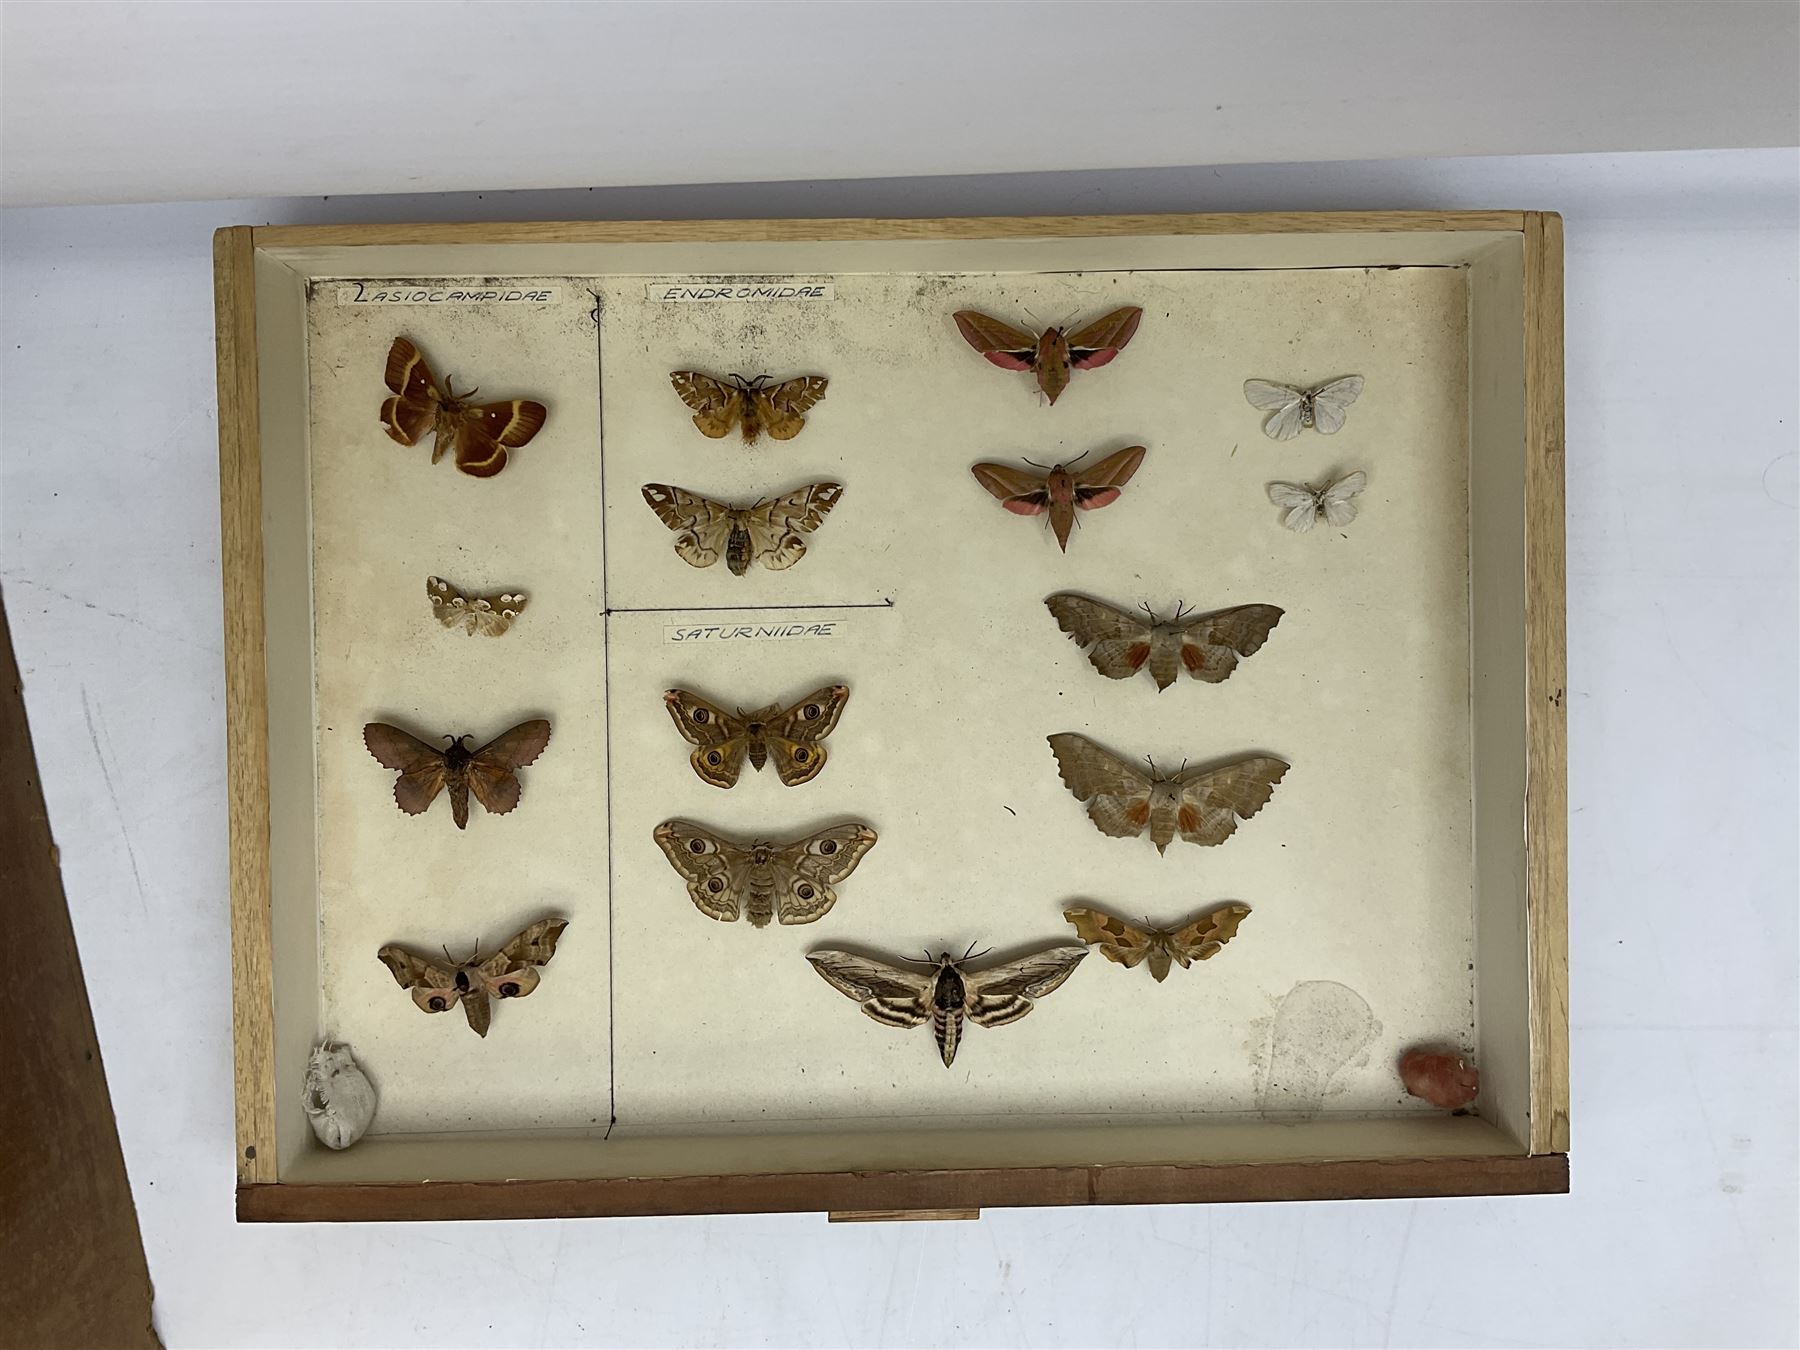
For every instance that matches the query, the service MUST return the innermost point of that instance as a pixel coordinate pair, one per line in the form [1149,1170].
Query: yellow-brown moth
[479,433]
[753,405]
[1199,939]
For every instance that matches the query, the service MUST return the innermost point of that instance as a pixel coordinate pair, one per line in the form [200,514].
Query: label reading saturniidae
[752,632]
[689,290]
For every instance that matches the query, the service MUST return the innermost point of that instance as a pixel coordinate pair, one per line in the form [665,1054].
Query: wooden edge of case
[1546,710]
[261,1198]
[246,702]
[928,1194]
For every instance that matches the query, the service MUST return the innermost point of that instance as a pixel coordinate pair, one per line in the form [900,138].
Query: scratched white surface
[1682,332]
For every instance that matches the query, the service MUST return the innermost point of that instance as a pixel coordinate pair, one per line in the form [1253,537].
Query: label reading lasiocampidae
[482,293]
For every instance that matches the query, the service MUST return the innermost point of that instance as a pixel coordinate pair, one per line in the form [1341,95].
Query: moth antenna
[1073,462]
[1150,613]
[1152,764]
[446,951]
[1034,464]
[452,739]
[972,954]
[1180,608]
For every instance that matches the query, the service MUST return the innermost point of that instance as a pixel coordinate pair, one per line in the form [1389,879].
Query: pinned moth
[754,405]
[790,881]
[1199,939]
[489,615]
[511,972]
[1202,805]
[789,735]
[766,532]
[1302,504]
[1052,354]
[1062,489]
[947,991]
[480,434]
[490,772]
[1207,646]
[1323,407]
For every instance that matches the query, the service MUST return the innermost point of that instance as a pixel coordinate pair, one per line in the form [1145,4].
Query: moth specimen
[1202,805]
[490,772]
[790,735]
[1061,489]
[339,1099]
[479,433]
[790,881]
[1052,354]
[754,405]
[489,615]
[1197,940]
[1447,1081]
[1206,646]
[766,531]
[948,991]
[1301,504]
[1322,408]
[510,972]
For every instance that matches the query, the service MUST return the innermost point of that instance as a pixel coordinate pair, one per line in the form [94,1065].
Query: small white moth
[339,1098]
[1301,503]
[1320,408]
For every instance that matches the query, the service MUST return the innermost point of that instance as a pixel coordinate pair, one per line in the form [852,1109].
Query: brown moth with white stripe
[791,881]
[948,992]
[1202,805]
[1207,646]
[790,735]
[479,433]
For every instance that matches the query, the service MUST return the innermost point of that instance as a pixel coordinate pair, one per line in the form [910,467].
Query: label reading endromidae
[752,632]
[392,293]
[695,289]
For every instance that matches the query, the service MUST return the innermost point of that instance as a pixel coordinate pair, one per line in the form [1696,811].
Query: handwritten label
[738,288]
[751,632]
[377,293]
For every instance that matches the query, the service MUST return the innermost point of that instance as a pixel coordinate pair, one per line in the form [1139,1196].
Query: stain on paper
[1319,1026]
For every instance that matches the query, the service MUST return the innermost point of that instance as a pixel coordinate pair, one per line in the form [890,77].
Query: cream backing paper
[1357,872]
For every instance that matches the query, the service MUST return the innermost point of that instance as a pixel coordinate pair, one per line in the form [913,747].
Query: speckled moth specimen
[1322,408]
[949,992]
[490,772]
[1199,939]
[1207,646]
[480,434]
[488,615]
[789,736]
[789,881]
[1201,805]
[753,405]
[766,532]
[1062,489]
[510,972]
[1052,354]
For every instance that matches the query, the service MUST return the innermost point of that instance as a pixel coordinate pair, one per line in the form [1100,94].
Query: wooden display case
[1407,882]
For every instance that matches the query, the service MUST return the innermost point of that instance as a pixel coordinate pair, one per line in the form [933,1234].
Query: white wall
[110,101]
[1682,352]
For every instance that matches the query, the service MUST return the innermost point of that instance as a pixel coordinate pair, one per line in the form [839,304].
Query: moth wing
[1202,939]
[794,734]
[1331,402]
[415,972]
[492,769]
[422,767]
[722,737]
[1286,404]
[776,525]
[1100,341]
[807,869]
[511,972]
[1098,484]
[701,525]
[1008,347]
[783,407]
[1299,505]
[1120,792]
[1117,940]
[1213,801]
[712,867]
[889,994]
[484,434]
[489,615]
[412,411]
[716,405]
[1120,641]
[1213,644]
[1335,501]
[1018,490]
[1006,993]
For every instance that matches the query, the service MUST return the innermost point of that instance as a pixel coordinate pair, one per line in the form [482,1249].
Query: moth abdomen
[737,552]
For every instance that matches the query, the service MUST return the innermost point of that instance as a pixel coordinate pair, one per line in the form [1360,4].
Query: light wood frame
[1530,661]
